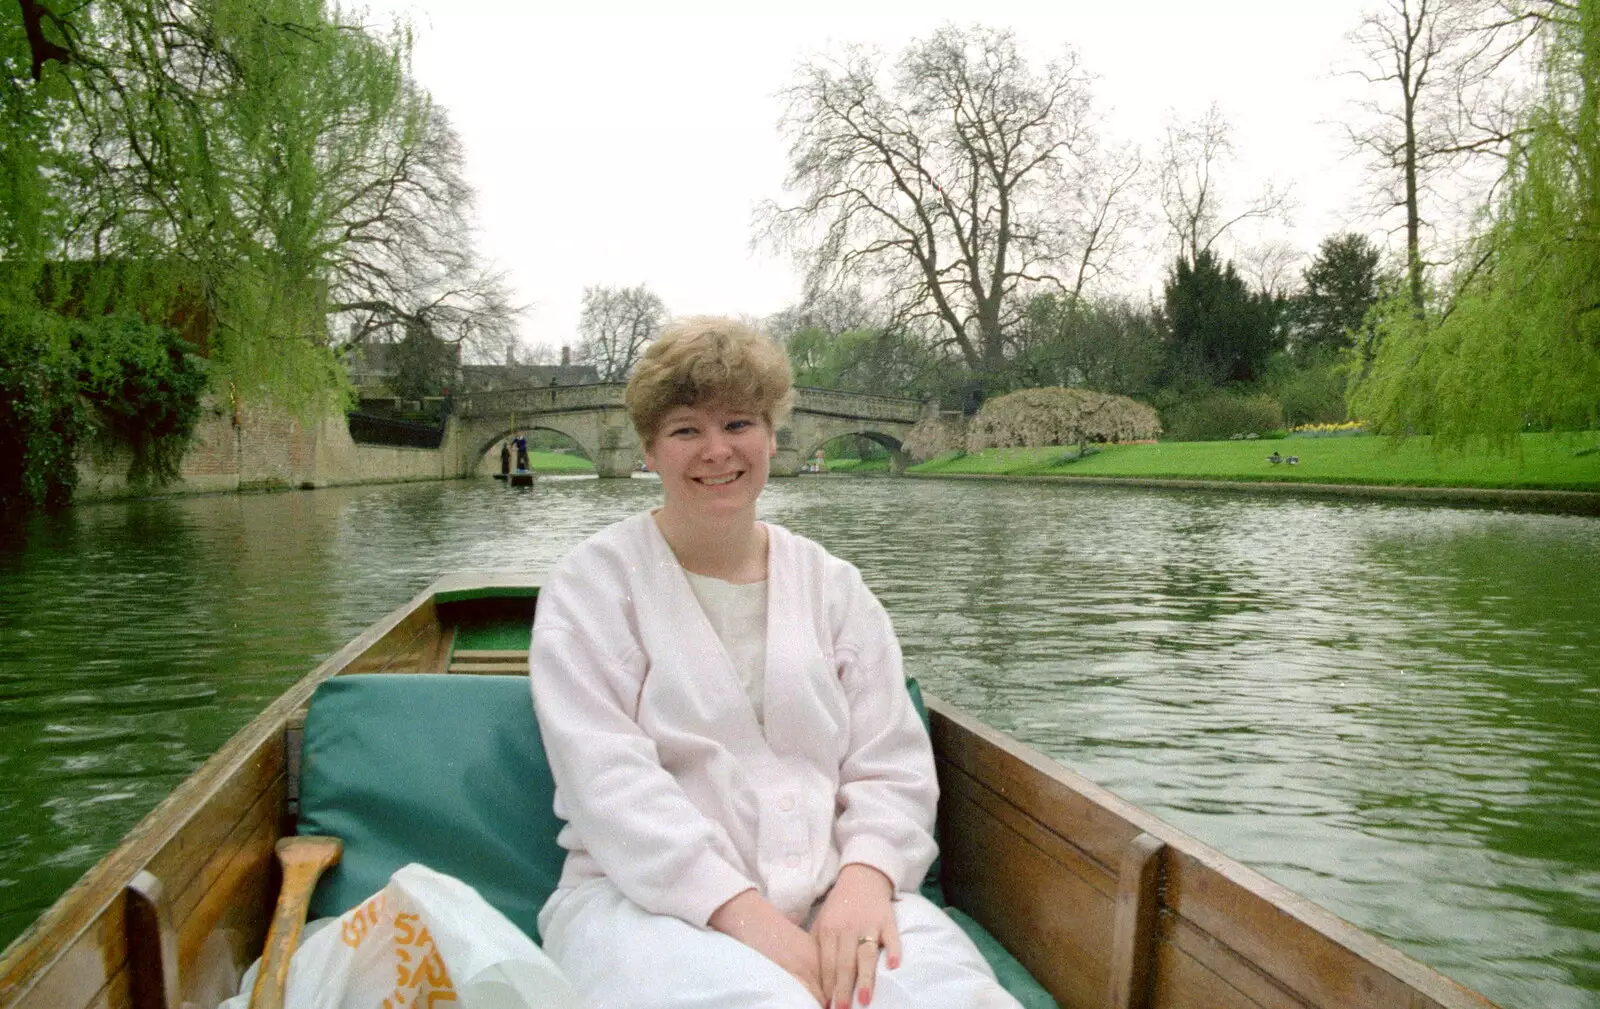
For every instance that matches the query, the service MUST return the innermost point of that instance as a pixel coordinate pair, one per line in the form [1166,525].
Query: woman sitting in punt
[749,794]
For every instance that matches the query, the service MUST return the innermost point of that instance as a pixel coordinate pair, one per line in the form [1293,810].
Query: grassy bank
[1545,462]
[558,462]
[859,465]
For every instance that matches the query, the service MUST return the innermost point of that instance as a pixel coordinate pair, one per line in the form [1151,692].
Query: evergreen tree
[1218,330]
[1341,284]
[424,365]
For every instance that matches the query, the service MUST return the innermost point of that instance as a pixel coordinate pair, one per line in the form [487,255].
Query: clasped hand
[831,960]
[860,907]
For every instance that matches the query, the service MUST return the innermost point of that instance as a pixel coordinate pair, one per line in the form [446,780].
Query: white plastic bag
[425,941]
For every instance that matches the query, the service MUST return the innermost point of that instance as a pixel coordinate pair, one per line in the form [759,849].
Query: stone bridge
[594,417]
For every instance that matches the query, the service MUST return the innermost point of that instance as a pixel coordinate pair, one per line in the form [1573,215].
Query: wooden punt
[1106,905]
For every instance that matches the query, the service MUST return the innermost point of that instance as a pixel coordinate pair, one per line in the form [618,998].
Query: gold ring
[866,939]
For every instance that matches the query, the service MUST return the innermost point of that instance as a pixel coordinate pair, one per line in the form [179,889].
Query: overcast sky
[619,147]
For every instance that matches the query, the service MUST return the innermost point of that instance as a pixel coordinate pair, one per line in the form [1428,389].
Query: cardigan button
[793,861]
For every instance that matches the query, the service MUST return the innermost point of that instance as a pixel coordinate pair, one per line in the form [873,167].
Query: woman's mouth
[718,481]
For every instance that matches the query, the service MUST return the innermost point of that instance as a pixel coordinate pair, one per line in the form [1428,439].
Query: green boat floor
[502,635]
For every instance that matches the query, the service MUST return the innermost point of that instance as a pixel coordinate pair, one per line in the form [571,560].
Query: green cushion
[448,771]
[915,690]
[931,887]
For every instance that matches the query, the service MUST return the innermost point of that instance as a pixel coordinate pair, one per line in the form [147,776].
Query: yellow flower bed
[1346,427]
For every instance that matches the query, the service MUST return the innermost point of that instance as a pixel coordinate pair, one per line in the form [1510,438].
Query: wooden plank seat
[489,668]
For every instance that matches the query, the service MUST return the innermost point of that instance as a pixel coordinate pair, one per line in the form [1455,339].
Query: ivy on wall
[144,388]
[62,381]
[42,417]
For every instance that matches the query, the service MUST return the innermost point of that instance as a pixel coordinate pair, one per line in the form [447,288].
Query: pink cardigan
[668,785]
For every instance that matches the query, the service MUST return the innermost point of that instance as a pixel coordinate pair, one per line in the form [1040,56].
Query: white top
[669,786]
[738,613]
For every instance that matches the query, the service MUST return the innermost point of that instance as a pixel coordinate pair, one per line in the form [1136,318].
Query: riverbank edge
[1563,502]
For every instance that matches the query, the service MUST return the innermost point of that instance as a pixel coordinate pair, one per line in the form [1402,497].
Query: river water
[1394,710]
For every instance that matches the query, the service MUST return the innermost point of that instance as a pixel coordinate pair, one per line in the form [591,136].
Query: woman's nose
[716,444]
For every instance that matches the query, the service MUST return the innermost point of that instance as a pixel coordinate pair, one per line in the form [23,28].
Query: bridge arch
[490,447]
[821,435]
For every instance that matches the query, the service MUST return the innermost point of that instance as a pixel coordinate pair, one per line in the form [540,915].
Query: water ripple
[1393,710]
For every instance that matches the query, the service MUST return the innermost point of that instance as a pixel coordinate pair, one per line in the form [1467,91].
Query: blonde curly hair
[709,360]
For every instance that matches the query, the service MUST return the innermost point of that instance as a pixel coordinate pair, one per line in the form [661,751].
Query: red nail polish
[864,996]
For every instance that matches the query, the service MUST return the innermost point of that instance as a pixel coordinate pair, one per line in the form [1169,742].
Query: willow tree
[272,163]
[261,173]
[1520,345]
[352,181]
[32,94]
[950,183]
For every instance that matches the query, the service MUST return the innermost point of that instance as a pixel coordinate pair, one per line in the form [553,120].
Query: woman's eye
[683,430]
[737,425]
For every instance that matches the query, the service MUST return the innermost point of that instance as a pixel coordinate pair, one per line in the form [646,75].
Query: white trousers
[620,956]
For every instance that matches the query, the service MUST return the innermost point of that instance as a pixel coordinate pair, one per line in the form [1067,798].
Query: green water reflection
[1393,710]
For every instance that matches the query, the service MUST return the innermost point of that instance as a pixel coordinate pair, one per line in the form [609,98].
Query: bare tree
[1523,20]
[950,183]
[1445,103]
[616,325]
[524,352]
[1269,267]
[1107,212]
[1190,190]
[833,311]
[397,239]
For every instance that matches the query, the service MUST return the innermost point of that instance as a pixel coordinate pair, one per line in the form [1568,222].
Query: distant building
[511,375]
[371,365]
[490,377]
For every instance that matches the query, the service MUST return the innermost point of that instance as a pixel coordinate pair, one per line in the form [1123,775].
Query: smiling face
[713,460]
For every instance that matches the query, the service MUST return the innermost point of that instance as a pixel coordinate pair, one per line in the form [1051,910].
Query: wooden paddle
[304,859]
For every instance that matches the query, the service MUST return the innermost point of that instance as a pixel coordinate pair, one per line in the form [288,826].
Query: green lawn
[558,462]
[879,465]
[1546,461]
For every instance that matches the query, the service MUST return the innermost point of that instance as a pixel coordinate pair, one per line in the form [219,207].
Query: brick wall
[264,448]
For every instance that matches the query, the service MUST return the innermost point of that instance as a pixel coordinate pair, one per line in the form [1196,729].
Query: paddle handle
[304,859]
